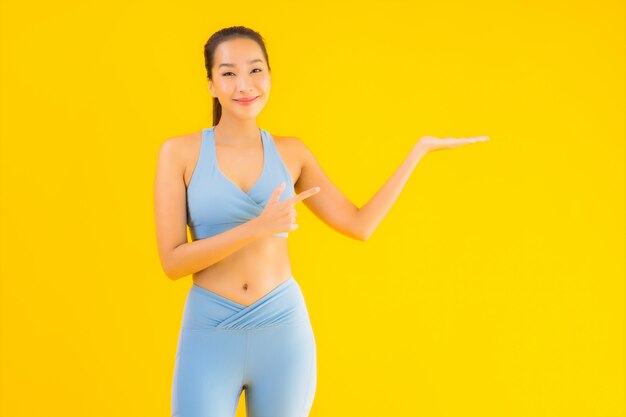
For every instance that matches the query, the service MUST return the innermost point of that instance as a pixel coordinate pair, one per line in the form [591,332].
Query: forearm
[374,211]
[194,256]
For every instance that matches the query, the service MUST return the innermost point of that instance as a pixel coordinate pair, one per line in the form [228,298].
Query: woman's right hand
[280,216]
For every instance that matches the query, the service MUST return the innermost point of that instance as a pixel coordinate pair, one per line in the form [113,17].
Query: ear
[211,89]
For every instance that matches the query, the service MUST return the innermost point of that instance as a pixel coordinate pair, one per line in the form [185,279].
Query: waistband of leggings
[283,305]
[276,291]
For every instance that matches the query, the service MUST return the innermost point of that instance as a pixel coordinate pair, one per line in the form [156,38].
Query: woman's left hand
[431,143]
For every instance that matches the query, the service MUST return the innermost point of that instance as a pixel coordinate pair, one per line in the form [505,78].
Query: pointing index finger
[304,194]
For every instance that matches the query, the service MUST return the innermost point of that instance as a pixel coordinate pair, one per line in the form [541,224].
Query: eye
[229,72]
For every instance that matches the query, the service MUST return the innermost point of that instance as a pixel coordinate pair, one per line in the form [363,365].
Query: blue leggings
[267,348]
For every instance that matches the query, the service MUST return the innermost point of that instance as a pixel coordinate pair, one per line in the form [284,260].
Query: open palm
[431,143]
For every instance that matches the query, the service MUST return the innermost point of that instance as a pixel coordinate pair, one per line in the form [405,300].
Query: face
[240,71]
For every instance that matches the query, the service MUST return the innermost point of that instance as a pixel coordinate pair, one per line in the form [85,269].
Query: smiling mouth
[248,100]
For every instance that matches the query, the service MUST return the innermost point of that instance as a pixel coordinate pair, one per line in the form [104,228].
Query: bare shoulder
[181,143]
[290,145]
[180,150]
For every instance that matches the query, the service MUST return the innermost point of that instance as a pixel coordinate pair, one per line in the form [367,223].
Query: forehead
[238,52]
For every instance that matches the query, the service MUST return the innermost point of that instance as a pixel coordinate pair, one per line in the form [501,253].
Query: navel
[245,286]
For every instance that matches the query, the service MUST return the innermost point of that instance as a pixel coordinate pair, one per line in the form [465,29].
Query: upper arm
[330,205]
[170,200]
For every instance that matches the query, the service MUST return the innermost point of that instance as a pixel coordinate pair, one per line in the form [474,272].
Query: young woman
[245,323]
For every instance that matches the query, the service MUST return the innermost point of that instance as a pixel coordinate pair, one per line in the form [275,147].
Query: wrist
[418,150]
[256,228]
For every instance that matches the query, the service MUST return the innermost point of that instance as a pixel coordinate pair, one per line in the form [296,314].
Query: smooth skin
[246,262]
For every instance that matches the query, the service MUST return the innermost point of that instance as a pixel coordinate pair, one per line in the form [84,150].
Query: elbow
[171,275]
[361,232]
[363,235]
[172,266]
[174,274]
[171,272]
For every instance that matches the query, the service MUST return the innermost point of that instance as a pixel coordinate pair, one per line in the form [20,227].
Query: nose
[244,84]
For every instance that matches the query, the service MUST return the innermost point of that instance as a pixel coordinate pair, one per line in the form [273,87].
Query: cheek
[265,83]
[221,85]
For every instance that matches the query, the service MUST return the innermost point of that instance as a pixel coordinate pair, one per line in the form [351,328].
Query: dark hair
[209,55]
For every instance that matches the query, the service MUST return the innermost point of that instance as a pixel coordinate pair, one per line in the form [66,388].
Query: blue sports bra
[216,204]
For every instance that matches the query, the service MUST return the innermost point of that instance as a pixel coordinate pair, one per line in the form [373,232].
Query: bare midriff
[249,273]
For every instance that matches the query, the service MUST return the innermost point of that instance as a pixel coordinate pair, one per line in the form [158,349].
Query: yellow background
[494,286]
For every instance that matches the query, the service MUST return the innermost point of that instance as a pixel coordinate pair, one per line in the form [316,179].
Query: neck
[238,133]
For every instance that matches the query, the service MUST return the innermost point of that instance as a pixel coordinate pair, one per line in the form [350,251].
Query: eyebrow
[226,64]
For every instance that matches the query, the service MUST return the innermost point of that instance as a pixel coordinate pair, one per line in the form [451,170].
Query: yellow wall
[494,286]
